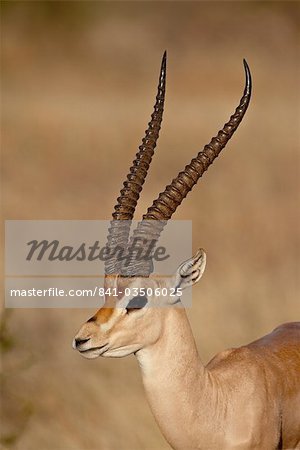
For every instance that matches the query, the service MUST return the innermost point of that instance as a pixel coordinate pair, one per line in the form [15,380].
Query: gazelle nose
[79,341]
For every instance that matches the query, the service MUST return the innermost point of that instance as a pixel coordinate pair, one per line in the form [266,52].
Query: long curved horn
[126,203]
[168,201]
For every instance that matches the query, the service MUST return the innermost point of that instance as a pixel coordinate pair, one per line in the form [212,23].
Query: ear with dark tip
[190,272]
[137,302]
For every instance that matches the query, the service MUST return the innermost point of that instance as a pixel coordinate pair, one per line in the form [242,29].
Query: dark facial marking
[92,319]
[137,302]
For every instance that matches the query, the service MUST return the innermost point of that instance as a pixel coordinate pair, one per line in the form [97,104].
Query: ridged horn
[168,201]
[126,203]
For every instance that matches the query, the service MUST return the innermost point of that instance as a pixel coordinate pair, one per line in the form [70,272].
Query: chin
[120,352]
[92,354]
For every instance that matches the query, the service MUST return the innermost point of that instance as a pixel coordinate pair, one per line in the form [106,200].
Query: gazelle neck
[178,387]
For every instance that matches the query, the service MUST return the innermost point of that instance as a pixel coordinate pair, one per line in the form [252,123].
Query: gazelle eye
[137,302]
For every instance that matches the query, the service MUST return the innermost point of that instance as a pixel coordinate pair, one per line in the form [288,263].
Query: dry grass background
[78,82]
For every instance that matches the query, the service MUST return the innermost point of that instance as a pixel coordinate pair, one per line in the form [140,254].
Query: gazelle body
[245,398]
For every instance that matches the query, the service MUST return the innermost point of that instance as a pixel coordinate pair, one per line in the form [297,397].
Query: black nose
[80,341]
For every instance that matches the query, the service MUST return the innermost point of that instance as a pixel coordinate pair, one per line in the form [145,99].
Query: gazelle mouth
[91,349]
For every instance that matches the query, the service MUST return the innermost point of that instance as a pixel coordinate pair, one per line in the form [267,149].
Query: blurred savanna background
[78,86]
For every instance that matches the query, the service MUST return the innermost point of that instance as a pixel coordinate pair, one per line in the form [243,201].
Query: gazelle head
[128,323]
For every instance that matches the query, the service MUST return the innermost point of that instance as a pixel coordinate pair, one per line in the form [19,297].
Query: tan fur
[245,398]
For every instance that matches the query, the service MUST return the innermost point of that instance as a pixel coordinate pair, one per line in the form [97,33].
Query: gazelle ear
[190,272]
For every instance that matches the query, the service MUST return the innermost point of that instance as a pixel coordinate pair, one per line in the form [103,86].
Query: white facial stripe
[107,325]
